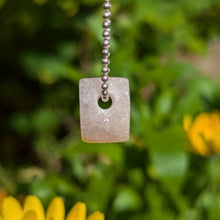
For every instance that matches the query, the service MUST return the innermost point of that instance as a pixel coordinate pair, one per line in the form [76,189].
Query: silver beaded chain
[105,52]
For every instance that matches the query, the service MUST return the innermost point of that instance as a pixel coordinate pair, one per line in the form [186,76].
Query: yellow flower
[203,133]
[33,210]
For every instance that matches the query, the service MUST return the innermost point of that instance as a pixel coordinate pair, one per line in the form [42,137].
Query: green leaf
[127,199]
[48,69]
[45,120]
[169,164]
[166,139]
[112,151]
[2,2]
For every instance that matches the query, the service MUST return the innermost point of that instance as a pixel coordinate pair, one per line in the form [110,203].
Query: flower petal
[56,209]
[78,212]
[11,209]
[200,134]
[187,122]
[215,120]
[30,215]
[96,216]
[33,203]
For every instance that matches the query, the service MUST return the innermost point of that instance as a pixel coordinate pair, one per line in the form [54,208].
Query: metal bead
[104,86]
[105,70]
[106,33]
[106,43]
[106,5]
[105,92]
[105,78]
[105,52]
[105,98]
[106,23]
[108,38]
[105,61]
[107,14]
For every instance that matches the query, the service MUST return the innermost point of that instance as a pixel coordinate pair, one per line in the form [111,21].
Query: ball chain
[105,52]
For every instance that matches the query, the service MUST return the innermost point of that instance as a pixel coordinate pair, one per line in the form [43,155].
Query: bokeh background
[170,52]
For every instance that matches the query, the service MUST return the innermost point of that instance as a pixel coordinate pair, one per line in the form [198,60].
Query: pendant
[100,125]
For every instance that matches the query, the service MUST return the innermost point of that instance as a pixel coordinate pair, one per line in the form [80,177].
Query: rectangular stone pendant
[100,125]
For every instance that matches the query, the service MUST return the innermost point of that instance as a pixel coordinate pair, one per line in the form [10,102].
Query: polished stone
[100,125]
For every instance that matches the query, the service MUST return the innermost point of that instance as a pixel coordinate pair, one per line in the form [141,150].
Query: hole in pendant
[105,105]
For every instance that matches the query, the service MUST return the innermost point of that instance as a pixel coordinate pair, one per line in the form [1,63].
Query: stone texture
[104,125]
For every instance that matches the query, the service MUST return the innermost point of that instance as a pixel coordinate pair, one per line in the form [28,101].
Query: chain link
[105,52]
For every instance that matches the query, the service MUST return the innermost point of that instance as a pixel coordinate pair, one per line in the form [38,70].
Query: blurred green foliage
[46,46]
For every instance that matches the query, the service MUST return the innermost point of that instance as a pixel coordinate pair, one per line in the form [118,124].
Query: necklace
[105,101]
